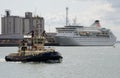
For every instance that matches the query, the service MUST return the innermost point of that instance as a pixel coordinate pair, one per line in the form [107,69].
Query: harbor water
[78,62]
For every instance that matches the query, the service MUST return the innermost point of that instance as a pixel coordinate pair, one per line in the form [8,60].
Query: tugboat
[36,52]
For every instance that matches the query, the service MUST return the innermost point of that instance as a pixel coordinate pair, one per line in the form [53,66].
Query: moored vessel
[95,35]
[76,35]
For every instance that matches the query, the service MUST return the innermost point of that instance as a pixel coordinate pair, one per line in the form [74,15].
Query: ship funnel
[96,24]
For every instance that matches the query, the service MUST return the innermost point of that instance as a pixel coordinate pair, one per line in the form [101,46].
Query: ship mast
[67,16]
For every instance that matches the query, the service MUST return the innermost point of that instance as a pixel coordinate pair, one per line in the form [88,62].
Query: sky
[84,11]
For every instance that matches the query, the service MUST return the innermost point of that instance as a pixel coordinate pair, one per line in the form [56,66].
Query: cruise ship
[75,35]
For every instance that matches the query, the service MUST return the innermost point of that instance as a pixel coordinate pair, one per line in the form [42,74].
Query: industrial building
[16,25]
[14,28]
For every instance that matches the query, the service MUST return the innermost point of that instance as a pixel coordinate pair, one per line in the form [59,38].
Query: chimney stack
[7,13]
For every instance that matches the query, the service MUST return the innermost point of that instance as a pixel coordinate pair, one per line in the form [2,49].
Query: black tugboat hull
[47,57]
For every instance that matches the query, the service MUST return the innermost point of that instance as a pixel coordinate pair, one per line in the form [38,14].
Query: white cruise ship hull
[81,41]
[94,35]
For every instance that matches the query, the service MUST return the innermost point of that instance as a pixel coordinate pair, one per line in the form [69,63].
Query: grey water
[78,62]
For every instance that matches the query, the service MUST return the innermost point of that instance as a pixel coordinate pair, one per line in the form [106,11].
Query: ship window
[40,40]
[103,34]
[83,33]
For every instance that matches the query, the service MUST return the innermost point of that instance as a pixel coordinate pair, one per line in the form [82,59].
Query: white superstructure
[80,35]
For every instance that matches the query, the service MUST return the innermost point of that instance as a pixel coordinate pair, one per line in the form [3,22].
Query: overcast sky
[53,11]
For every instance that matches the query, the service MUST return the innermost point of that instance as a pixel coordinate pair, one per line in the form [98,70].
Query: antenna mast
[67,16]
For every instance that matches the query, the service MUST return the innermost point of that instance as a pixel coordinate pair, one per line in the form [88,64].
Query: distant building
[12,25]
[16,28]
[15,25]
[38,21]
[27,22]
[26,26]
